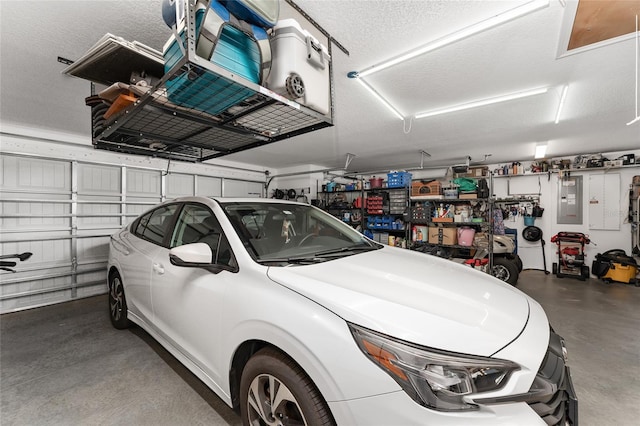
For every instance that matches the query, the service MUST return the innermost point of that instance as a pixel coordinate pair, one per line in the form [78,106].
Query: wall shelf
[570,170]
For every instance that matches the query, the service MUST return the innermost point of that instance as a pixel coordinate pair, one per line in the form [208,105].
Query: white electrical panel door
[604,201]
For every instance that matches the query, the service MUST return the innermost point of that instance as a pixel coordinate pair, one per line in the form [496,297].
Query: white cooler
[300,66]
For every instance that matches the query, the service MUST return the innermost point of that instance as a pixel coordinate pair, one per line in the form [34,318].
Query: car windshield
[282,233]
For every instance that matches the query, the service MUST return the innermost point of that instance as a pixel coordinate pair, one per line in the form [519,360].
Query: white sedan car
[294,318]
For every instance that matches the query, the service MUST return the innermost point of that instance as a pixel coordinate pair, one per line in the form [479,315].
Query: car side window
[197,224]
[154,225]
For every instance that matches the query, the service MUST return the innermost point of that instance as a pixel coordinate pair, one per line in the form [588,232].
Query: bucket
[466,236]
[375,182]
[529,220]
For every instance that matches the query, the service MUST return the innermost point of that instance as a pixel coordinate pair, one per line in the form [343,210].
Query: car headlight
[434,378]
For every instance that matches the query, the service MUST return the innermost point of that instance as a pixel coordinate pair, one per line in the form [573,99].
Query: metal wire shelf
[227,113]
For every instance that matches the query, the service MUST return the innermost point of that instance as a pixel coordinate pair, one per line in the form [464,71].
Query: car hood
[415,297]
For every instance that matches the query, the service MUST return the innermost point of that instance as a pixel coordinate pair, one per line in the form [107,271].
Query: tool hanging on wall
[533,234]
[291,194]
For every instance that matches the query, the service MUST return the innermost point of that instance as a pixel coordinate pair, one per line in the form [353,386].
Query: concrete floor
[66,365]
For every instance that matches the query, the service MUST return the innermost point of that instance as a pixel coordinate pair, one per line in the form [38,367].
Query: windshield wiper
[345,250]
[321,256]
[298,260]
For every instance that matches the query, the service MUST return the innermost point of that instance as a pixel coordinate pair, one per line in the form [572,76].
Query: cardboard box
[476,172]
[442,235]
[426,188]
[468,195]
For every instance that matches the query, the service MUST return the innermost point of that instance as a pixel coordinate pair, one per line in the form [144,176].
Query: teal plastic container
[206,91]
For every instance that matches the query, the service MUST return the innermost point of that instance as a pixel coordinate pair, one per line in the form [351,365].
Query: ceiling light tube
[479,27]
[561,104]
[541,151]
[635,120]
[483,102]
[380,98]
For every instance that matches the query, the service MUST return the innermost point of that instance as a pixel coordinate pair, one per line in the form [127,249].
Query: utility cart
[571,257]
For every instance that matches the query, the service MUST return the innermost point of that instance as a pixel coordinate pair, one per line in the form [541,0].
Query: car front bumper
[551,400]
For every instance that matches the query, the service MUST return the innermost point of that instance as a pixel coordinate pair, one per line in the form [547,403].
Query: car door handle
[158,268]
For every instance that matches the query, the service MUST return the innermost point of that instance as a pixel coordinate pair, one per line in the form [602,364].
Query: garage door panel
[91,283]
[99,180]
[29,215]
[35,292]
[179,185]
[240,188]
[64,212]
[209,186]
[29,174]
[94,249]
[91,215]
[143,183]
[93,290]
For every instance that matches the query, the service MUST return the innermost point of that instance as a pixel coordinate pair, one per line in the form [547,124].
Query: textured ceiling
[525,53]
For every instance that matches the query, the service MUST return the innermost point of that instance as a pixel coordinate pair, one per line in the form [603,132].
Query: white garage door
[64,212]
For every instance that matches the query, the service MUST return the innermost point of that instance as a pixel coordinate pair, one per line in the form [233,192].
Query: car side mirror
[196,255]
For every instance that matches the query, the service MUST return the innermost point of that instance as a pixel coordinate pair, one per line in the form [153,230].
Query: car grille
[555,400]
[551,395]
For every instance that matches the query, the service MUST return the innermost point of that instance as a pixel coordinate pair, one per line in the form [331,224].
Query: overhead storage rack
[153,124]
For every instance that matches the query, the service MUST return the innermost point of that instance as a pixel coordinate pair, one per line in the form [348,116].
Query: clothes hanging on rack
[498,222]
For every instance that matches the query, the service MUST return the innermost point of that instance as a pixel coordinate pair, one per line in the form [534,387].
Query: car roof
[236,200]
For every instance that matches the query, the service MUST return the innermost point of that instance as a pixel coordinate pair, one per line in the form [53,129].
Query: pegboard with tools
[514,208]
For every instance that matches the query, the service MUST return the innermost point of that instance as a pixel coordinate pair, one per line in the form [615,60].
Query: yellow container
[621,273]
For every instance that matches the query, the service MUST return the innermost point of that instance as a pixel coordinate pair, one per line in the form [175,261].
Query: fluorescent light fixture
[541,151]
[483,102]
[479,27]
[561,104]
[379,97]
[635,120]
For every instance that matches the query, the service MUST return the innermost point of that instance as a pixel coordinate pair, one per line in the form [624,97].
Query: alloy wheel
[271,403]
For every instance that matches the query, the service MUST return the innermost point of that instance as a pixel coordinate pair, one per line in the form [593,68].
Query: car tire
[301,402]
[117,302]
[516,259]
[505,270]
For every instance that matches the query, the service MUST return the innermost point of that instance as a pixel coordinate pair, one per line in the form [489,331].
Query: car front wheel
[117,302]
[274,390]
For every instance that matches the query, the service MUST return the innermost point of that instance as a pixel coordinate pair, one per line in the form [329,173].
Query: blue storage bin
[381,222]
[374,222]
[263,13]
[204,90]
[398,179]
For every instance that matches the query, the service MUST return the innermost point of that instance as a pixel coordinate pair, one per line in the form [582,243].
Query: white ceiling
[515,56]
